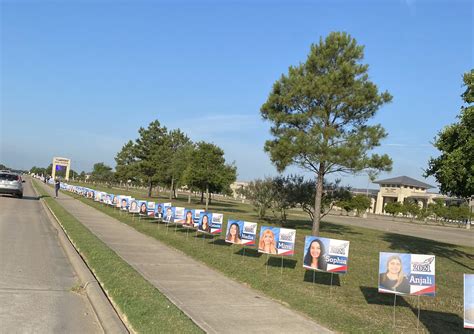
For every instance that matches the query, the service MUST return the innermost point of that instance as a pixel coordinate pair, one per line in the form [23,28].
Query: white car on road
[11,183]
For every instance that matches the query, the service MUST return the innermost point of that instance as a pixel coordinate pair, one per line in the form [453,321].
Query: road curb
[105,312]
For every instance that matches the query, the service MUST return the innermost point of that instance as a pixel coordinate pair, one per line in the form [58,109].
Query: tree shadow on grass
[320,277]
[434,321]
[219,242]
[440,322]
[200,236]
[337,229]
[249,252]
[226,209]
[325,227]
[274,261]
[373,296]
[416,245]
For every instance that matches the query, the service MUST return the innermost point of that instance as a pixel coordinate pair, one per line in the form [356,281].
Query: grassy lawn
[353,304]
[144,307]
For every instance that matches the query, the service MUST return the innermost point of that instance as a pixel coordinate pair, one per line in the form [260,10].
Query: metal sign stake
[394,306]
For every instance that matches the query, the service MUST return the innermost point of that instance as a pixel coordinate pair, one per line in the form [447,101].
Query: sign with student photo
[109,199]
[125,202]
[150,209]
[179,215]
[324,254]
[469,301]
[241,232]
[407,274]
[142,208]
[168,214]
[277,240]
[133,206]
[197,216]
[210,223]
[188,218]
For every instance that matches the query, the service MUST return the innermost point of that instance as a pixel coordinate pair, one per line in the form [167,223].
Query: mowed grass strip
[353,304]
[142,305]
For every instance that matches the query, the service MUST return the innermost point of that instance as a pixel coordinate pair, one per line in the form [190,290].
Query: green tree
[259,192]
[438,209]
[102,173]
[280,193]
[412,208]
[126,164]
[73,174]
[208,171]
[454,168]
[360,203]
[36,170]
[394,208]
[152,154]
[179,145]
[320,112]
[347,205]
[302,194]
[457,213]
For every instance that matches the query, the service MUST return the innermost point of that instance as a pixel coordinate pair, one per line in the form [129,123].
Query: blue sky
[79,78]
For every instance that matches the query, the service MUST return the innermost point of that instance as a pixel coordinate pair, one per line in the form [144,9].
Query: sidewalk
[180,278]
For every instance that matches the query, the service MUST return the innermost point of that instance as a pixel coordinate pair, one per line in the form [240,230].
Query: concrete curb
[105,312]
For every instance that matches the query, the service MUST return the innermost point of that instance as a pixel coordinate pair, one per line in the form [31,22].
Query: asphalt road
[451,235]
[39,290]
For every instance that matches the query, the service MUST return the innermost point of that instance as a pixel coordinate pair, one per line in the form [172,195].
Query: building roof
[405,181]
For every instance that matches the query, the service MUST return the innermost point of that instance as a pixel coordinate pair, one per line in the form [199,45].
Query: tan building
[403,187]
[236,186]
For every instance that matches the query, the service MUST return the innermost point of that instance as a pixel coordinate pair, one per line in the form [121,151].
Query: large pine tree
[320,112]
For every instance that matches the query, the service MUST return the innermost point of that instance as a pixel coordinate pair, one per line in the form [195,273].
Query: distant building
[399,188]
[371,193]
[238,185]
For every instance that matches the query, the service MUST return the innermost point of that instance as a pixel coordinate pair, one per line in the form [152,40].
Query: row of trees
[281,193]
[438,210]
[169,158]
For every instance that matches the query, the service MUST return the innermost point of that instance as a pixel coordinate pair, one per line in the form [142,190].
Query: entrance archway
[61,164]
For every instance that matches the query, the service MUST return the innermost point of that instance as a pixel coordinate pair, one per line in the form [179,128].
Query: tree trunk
[207,197]
[317,200]
[189,196]
[171,189]
[150,188]
[210,198]
[202,197]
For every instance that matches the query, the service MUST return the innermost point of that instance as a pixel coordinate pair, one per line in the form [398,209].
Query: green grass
[144,307]
[353,304]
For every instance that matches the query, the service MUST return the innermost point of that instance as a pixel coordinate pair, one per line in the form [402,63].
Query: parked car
[11,183]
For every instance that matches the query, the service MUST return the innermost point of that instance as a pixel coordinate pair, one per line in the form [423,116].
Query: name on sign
[336,260]
[421,280]
[283,245]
